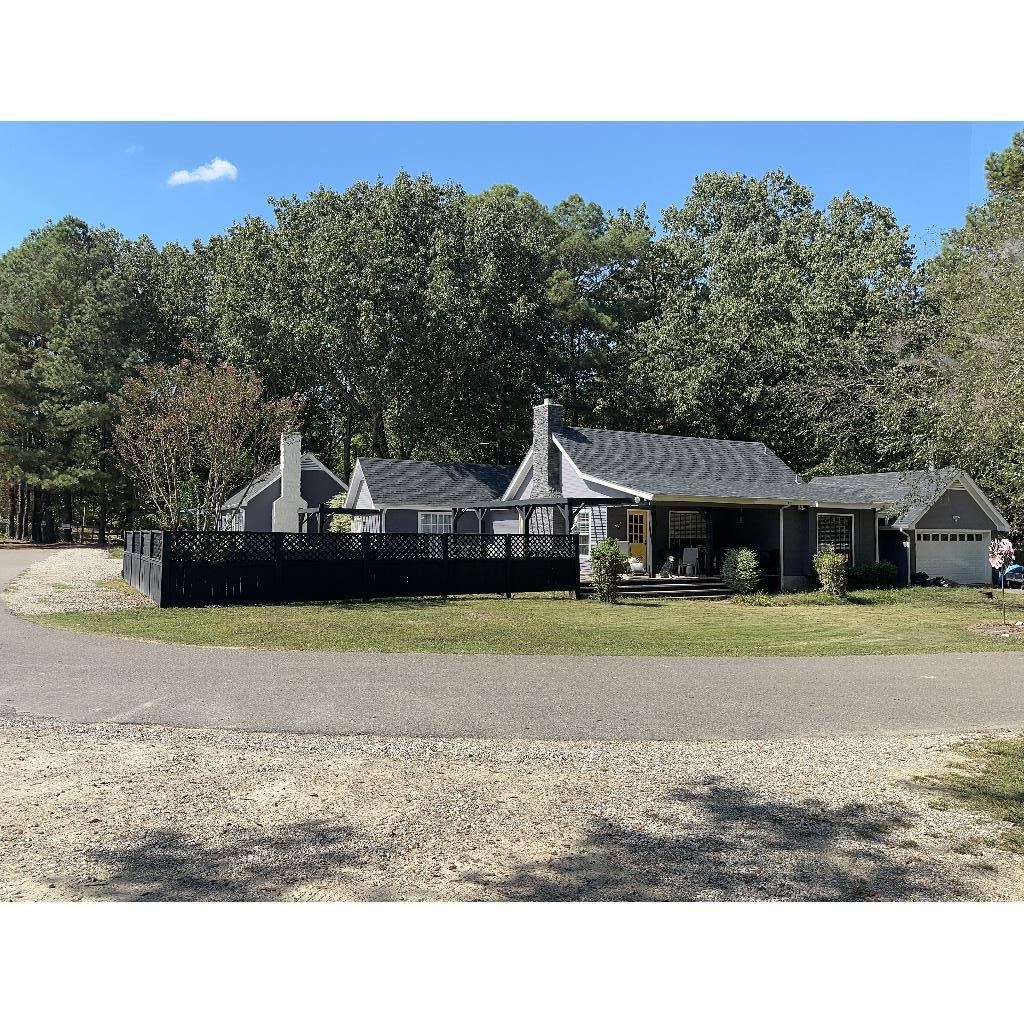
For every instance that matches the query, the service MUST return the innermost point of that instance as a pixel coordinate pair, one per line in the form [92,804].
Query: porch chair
[688,562]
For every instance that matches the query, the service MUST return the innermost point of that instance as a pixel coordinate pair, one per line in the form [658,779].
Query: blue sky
[115,174]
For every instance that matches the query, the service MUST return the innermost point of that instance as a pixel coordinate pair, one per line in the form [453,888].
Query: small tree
[192,433]
[607,564]
[741,570]
[1001,556]
[830,566]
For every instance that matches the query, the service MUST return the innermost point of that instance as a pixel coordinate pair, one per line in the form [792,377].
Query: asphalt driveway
[85,678]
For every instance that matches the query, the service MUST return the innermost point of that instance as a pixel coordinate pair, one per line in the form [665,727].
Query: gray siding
[956,503]
[259,512]
[318,487]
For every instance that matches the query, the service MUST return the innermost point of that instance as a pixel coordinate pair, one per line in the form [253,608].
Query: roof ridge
[680,437]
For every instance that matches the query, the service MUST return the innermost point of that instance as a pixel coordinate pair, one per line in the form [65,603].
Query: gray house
[678,503]
[274,501]
[409,496]
[937,522]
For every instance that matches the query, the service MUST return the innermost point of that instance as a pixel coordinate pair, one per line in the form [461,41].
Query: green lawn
[991,782]
[872,622]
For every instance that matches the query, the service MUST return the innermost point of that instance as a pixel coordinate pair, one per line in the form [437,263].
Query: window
[435,522]
[582,529]
[686,529]
[837,531]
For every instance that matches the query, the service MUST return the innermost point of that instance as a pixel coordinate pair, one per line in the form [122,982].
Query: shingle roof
[695,466]
[243,494]
[407,482]
[909,494]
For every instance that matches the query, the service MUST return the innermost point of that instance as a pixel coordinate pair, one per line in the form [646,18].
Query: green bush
[607,564]
[830,566]
[741,570]
[875,576]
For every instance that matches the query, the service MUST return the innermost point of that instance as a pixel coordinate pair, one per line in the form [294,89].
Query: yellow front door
[636,533]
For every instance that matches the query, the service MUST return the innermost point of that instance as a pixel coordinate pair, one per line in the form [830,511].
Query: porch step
[705,588]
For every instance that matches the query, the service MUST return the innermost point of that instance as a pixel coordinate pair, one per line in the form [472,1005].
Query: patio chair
[688,562]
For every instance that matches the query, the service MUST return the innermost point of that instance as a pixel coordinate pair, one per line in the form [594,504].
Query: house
[275,501]
[678,503]
[937,522]
[410,496]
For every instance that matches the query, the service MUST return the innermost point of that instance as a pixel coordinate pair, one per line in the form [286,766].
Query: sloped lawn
[871,622]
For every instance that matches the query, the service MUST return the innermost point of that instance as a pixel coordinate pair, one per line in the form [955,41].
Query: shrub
[830,566]
[741,570]
[607,564]
[875,576]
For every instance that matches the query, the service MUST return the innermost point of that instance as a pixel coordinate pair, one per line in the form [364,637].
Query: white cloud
[215,169]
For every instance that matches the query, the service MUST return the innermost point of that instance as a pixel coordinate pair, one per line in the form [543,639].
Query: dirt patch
[1012,631]
[73,580]
[138,812]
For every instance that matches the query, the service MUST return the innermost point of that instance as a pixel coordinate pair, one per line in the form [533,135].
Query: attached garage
[938,522]
[960,556]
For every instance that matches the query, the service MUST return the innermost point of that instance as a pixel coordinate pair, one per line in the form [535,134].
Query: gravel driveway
[73,580]
[142,812]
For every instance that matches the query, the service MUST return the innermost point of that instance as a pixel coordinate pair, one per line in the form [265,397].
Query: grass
[869,622]
[991,782]
[117,553]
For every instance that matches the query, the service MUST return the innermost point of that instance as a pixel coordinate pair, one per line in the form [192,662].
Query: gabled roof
[664,464]
[907,494]
[410,483]
[242,496]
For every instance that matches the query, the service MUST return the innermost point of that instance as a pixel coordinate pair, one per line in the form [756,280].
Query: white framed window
[582,529]
[837,531]
[435,522]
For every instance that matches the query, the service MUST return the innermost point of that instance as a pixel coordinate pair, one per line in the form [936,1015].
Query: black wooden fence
[190,569]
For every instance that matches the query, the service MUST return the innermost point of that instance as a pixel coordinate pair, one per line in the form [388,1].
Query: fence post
[508,564]
[166,568]
[444,566]
[364,543]
[278,565]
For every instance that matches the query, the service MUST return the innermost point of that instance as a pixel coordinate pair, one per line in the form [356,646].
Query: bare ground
[119,812]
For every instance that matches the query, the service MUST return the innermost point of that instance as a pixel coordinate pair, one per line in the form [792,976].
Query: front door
[636,533]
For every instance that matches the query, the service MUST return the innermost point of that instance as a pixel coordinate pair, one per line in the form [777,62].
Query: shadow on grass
[741,846]
[245,864]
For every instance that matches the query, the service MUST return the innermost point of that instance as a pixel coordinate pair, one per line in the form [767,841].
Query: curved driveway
[86,678]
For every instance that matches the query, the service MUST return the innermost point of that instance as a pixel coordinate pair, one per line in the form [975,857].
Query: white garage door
[960,556]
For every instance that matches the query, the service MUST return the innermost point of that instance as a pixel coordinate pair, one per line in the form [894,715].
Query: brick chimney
[286,508]
[547,459]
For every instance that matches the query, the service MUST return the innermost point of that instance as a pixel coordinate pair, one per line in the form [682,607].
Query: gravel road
[146,813]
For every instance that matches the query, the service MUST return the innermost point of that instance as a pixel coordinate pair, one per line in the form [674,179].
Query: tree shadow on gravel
[719,842]
[246,864]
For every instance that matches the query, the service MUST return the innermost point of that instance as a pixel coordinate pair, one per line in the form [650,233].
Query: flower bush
[607,564]
[830,566]
[741,570]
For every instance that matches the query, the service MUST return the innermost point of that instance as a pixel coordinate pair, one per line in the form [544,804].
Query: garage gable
[956,508]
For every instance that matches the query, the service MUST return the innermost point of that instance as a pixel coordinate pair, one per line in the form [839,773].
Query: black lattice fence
[189,569]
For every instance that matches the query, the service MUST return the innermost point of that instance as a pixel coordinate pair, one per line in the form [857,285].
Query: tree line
[412,319]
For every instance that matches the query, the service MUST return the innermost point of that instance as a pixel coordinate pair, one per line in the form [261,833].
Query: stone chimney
[547,459]
[286,508]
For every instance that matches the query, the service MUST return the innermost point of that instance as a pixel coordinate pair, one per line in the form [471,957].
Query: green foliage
[607,564]
[791,316]
[873,576]
[741,570]
[1004,171]
[830,566]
